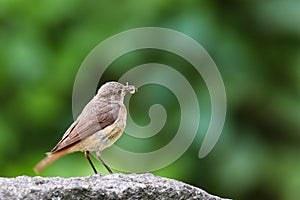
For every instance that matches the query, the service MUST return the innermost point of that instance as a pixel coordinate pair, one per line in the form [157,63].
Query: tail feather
[51,157]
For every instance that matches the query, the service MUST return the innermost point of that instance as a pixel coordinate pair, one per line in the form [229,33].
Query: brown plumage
[100,124]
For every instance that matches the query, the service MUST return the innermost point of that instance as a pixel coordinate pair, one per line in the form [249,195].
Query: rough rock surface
[115,186]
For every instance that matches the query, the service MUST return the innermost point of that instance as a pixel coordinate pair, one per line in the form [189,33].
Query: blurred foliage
[255,44]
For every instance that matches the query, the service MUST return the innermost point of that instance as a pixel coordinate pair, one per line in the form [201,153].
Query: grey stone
[114,186]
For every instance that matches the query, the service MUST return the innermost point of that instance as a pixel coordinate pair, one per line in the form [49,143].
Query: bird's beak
[130,88]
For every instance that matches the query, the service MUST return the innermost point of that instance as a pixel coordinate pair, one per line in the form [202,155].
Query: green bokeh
[255,44]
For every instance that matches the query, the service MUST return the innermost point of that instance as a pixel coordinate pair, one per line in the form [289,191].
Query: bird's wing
[81,129]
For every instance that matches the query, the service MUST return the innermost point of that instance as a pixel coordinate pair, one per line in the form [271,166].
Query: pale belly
[102,139]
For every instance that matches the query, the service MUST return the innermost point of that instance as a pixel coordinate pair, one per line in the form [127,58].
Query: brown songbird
[100,124]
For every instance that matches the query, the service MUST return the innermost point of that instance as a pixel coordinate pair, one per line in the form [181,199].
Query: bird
[101,123]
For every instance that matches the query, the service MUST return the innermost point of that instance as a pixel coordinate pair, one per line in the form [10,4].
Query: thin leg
[87,155]
[98,154]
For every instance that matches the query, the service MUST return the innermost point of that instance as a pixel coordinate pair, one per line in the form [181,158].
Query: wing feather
[88,124]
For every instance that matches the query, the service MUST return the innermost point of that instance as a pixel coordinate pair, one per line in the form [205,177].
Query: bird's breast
[107,136]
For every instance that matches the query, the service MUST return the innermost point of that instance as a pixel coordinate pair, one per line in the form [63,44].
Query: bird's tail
[51,157]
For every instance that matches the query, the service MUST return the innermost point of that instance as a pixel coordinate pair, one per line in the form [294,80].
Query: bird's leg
[98,154]
[87,155]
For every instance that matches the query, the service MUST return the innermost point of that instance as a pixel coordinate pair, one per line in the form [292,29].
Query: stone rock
[114,186]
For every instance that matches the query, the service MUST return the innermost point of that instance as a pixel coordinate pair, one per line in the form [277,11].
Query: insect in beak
[130,88]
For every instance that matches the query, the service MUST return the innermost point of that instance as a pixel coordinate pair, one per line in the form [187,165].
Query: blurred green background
[255,44]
